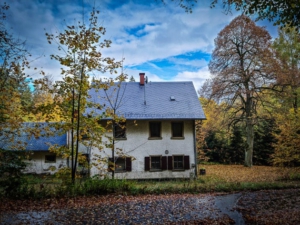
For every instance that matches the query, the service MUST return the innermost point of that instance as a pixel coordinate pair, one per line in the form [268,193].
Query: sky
[160,40]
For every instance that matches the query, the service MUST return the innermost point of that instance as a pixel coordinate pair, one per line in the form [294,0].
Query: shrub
[11,177]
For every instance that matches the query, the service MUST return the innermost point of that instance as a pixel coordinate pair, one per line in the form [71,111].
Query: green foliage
[237,145]
[282,12]
[264,141]
[11,177]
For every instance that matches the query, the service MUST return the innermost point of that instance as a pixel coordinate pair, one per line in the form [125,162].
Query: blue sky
[161,40]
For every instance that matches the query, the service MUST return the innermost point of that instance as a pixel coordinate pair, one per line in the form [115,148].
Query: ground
[260,207]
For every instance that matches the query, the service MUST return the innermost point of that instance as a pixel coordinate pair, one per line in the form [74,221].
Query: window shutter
[164,165]
[170,162]
[186,162]
[128,163]
[110,160]
[147,163]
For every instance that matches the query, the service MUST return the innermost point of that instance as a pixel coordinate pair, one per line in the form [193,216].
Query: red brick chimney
[142,79]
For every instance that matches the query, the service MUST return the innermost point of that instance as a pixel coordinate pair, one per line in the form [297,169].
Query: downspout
[195,148]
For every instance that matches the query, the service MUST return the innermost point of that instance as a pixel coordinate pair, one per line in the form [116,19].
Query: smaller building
[33,138]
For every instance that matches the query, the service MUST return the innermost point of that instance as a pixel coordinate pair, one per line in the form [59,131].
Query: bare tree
[241,69]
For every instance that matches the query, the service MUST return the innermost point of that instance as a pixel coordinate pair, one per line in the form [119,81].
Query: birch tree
[80,48]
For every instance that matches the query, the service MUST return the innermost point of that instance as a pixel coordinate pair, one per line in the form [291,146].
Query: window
[121,164]
[177,130]
[50,158]
[85,134]
[155,129]
[178,162]
[155,163]
[85,159]
[120,130]
[85,137]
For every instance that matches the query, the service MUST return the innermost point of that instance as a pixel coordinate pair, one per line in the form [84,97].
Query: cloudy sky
[161,40]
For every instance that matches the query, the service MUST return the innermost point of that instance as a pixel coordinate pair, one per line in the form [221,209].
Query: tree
[287,47]
[13,83]
[81,46]
[282,12]
[131,79]
[240,67]
[287,147]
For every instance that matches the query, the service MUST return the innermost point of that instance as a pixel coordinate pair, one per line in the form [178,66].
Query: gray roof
[154,100]
[38,142]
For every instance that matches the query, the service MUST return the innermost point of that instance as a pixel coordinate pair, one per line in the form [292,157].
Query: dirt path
[262,207]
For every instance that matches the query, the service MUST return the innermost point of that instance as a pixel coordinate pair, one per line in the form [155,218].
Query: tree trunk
[72,137]
[250,141]
[113,148]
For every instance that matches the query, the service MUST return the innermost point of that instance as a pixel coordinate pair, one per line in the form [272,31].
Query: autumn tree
[81,47]
[240,71]
[286,113]
[13,61]
[287,47]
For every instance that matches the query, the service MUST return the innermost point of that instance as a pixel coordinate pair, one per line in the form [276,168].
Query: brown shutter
[164,165]
[170,162]
[147,163]
[110,160]
[128,163]
[186,162]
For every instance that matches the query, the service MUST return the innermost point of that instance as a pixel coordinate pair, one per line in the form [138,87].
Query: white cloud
[187,62]
[197,77]
[165,31]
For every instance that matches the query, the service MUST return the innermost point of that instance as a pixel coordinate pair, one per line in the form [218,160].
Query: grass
[255,174]
[229,178]
[218,178]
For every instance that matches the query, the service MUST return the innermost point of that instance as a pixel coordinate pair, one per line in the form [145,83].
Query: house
[36,138]
[157,140]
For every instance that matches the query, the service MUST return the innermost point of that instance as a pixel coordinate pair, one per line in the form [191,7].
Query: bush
[12,180]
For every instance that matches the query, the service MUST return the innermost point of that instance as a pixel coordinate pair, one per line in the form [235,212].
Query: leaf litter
[260,207]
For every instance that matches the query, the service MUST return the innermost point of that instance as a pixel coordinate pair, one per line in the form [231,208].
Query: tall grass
[218,178]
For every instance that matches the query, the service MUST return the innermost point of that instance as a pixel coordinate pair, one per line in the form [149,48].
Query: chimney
[142,79]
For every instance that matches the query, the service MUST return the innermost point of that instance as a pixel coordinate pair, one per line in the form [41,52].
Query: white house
[158,137]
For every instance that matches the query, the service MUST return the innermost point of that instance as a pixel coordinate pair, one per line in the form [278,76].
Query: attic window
[172,98]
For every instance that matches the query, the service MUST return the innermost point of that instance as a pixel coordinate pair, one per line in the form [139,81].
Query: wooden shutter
[164,165]
[186,162]
[147,163]
[128,163]
[170,162]
[110,160]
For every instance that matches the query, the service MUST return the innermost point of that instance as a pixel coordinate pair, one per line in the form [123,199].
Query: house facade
[156,140]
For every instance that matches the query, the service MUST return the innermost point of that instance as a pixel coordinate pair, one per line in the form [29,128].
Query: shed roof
[40,141]
[154,100]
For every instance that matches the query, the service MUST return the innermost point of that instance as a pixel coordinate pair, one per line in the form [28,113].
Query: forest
[252,100]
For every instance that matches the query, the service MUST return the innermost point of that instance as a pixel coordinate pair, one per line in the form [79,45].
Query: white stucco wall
[139,146]
[37,163]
